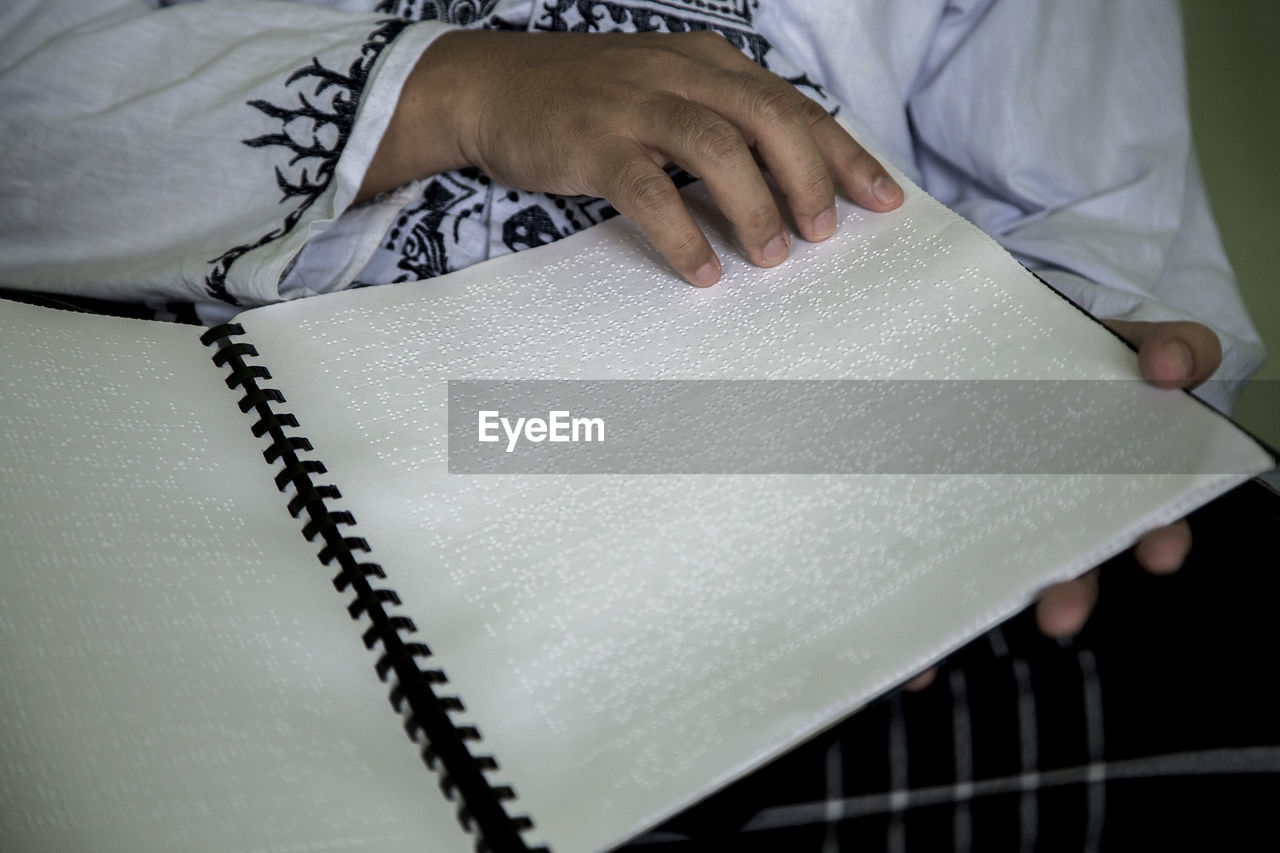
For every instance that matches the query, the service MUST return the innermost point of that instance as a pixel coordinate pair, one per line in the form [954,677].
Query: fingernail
[776,249]
[885,190]
[707,274]
[1182,353]
[824,224]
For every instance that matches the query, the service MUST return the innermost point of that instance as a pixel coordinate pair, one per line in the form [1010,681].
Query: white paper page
[178,671]
[627,645]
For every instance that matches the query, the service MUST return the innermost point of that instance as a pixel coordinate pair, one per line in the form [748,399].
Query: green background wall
[1233,62]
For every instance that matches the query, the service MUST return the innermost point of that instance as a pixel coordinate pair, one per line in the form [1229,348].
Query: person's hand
[603,114]
[1170,355]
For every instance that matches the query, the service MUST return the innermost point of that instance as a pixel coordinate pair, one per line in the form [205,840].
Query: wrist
[425,133]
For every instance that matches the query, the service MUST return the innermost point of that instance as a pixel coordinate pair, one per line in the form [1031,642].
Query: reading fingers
[812,154]
[698,102]
[805,150]
[770,105]
[707,145]
[643,192]
[856,172]
[778,121]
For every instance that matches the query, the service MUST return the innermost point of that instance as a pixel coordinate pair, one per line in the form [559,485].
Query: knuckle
[644,192]
[815,183]
[687,245]
[777,105]
[859,158]
[811,111]
[852,159]
[760,219]
[717,139]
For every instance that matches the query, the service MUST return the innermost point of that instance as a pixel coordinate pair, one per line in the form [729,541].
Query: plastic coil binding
[463,776]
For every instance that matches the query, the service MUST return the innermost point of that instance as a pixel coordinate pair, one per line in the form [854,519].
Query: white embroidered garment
[193,152]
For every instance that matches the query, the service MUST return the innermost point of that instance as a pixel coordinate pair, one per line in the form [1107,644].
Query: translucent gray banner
[830,427]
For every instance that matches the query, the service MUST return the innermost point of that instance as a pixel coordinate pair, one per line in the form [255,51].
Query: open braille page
[627,644]
[178,672]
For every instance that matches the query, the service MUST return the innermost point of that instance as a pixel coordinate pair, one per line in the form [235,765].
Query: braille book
[274,587]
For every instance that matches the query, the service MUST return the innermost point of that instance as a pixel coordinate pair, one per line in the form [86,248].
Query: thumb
[1175,354]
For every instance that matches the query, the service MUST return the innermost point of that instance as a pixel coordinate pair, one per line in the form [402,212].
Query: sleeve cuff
[338,244]
[392,48]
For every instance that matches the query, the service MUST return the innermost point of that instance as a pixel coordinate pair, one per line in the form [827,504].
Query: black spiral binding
[481,808]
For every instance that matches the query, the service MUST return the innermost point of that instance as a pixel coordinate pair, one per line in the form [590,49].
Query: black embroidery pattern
[542,218]
[438,233]
[731,19]
[309,171]
[734,12]
[528,228]
[417,236]
[461,12]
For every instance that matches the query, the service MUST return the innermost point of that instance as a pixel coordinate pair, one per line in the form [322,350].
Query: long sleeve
[186,152]
[1062,130]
